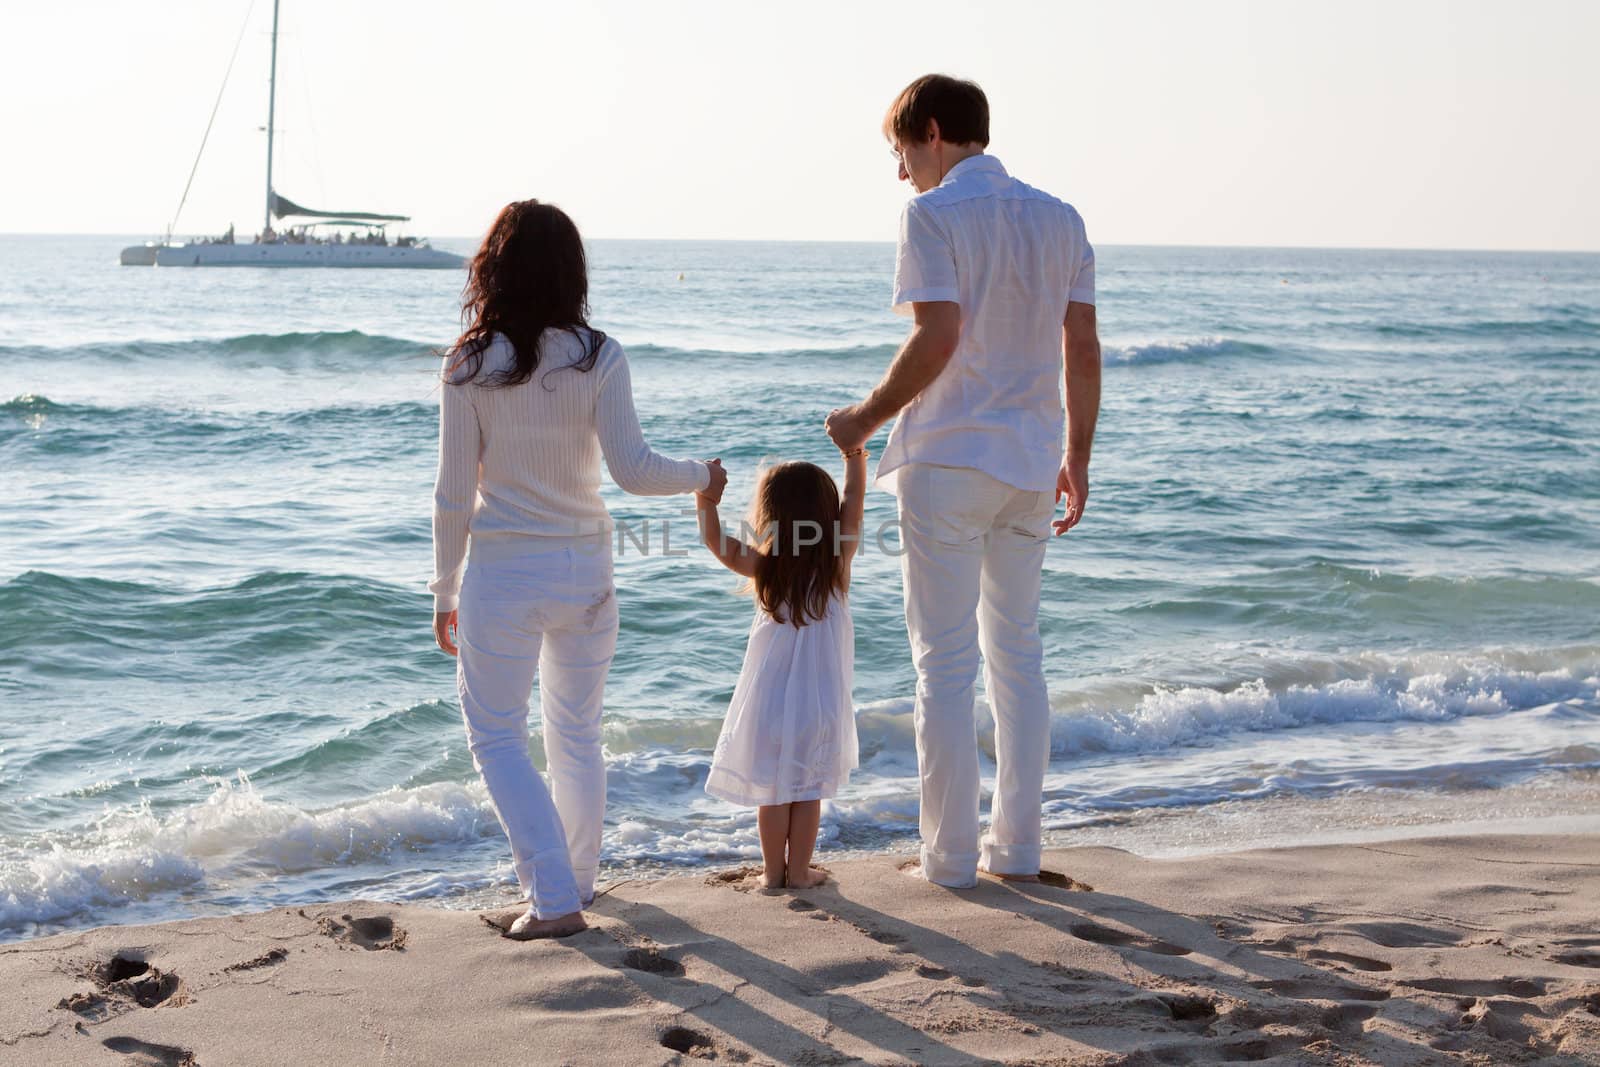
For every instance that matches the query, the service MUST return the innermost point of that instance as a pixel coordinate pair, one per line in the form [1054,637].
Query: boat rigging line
[214,108]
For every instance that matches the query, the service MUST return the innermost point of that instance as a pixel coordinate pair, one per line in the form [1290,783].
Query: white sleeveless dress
[790,732]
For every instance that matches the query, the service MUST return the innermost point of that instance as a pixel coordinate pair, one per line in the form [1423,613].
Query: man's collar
[983,162]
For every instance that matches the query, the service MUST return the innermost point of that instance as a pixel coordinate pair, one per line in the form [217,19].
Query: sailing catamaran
[311,239]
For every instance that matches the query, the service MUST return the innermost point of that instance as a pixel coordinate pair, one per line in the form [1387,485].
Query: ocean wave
[1370,688]
[1557,326]
[235,837]
[234,833]
[860,352]
[64,429]
[1182,351]
[253,347]
[101,627]
[1296,691]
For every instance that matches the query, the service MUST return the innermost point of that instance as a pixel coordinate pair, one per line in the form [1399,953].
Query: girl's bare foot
[808,878]
[771,880]
[530,927]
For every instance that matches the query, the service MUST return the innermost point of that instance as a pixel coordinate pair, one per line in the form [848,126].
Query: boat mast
[272,102]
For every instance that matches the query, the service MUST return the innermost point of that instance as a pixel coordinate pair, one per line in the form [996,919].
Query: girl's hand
[444,630]
[712,493]
[847,428]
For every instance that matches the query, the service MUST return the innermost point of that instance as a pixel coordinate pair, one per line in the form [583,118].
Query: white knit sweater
[522,462]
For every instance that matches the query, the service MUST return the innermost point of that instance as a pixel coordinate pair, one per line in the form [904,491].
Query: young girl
[789,739]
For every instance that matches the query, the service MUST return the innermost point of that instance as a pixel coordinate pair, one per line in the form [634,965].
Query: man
[999,280]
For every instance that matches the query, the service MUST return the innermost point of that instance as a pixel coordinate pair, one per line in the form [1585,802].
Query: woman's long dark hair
[793,580]
[529,276]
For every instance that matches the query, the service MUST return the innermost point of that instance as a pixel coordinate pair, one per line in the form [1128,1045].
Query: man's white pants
[973,555]
[553,613]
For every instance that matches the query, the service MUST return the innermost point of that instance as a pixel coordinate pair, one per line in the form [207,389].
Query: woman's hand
[712,493]
[444,630]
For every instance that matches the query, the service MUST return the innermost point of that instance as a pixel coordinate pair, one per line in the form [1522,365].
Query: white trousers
[973,556]
[554,614]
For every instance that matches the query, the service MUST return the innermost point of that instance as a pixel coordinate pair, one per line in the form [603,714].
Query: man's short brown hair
[959,107]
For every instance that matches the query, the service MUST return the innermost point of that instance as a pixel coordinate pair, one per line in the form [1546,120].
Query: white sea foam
[234,834]
[1173,351]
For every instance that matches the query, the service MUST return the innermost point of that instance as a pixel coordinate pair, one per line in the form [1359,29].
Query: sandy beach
[1481,950]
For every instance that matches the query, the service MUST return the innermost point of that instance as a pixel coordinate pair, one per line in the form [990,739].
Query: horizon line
[890,244]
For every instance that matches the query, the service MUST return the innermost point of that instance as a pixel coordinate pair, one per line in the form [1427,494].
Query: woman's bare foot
[529,927]
[808,878]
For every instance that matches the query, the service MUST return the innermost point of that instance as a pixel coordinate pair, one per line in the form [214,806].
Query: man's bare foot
[771,880]
[529,927]
[808,878]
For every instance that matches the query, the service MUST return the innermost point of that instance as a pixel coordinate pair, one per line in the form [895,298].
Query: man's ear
[933,131]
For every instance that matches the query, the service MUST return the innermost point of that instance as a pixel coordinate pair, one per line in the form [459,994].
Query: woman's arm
[454,490]
[634,465]
[733,553]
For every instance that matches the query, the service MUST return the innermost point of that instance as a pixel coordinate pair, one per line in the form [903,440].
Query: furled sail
[283,208]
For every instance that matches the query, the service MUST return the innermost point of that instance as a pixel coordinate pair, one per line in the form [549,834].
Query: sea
[1338,579]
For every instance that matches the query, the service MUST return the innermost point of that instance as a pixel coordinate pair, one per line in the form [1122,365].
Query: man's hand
[712,493]
[847,428]
[1072,483]
[444,629]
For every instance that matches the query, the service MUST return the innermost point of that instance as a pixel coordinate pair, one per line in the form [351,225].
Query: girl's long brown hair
[530,275]
[793,581]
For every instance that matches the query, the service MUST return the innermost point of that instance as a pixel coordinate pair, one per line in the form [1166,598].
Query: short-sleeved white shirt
[1013,258]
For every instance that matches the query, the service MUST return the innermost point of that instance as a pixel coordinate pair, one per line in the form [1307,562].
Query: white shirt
[523,461]
[1012,257]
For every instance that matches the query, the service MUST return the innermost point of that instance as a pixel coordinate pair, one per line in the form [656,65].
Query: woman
[532,398]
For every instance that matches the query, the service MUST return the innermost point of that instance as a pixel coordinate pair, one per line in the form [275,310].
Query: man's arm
[1081,343]
[920,361]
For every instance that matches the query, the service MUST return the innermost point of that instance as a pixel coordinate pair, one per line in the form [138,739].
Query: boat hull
[139,256]
[304,255]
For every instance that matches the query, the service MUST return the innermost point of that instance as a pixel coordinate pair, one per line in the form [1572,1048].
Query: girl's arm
[853,502]
[735,555]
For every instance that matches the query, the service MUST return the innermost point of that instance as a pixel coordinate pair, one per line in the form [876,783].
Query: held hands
[848,428]
[712,493]
[1072,483]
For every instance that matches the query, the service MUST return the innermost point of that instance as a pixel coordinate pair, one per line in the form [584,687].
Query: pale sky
[1354,123]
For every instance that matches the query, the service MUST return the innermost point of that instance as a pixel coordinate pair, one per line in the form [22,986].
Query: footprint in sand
[1404,935]
[266,959]
[739,879]
[1105,935]
[1577,954]
[939,974]
[689,1042]
[1360,963]
[1521,988]
[652,961]
[371,933]
[126,978]
[1318,989]
[1189,1008]
[149,1054]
